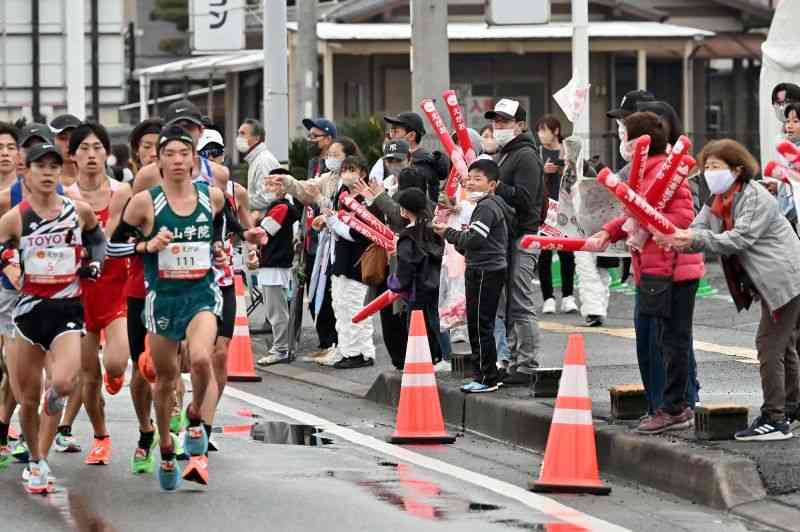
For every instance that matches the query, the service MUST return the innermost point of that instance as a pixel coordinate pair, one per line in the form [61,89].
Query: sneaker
[169,472]
[5,456]
[197,470]
[477,387]
[195,441]
[516,378]
[568,305]
[20,452]
[273,359]
[53,404]
[662,422]
[13,434]
[26,474]
[178,421]
[314,356]
[100,454]
[549,306]
[143,460]
[764,429]
[65,442]
[442,366]
[180,452]
[113,385]
[593,320]
[38,481]
[357,361]
[331,357]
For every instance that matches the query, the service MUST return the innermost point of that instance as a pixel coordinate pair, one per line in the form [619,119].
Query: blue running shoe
[20,452]
[169,472]
[195,441]
[477,387]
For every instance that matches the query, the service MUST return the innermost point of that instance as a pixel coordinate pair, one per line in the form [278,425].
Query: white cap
[209,136]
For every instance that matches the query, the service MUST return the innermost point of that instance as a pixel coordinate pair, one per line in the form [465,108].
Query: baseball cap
[40,150]
[411,121]
[508,109]
[36,131]
[396,149]
[210,136]
[173,132]
[183,110]
[628,104]
[321,123]
[64,122]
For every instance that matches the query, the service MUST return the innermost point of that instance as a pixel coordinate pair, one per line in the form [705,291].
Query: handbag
[655,295]
[374,264]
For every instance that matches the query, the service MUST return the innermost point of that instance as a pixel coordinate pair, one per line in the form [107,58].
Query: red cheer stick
[557,244]
[636,205]
[451,187]
[776,170]
[373,235]
[687,163]
[376,305]
[641,148]
[457,119]
[367,217]
[668,170]
[455,153]
[790,152]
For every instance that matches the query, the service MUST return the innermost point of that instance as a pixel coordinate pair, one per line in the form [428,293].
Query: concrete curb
[316,378]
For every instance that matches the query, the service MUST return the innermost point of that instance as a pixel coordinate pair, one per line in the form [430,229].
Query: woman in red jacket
[666,284]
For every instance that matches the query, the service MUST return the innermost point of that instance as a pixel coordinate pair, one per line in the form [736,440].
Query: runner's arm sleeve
[218,226]
[124,240]
[94,240]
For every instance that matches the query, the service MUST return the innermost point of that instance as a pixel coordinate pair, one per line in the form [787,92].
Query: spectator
[321,133]
[250,143]
[522,187]
[488,144]
[119,162]
[484,245]
[434,166]
[396,157]
[551,151]
[627,106]
[782,94]
[666,285]
[743,225]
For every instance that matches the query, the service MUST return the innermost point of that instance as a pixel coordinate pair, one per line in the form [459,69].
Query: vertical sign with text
[218,25]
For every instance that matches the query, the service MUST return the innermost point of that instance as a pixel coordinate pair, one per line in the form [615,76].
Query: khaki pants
[776,342]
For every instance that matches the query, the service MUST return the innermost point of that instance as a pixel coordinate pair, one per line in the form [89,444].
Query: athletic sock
[167,455]
[208,433]
[96,437]
[65,430]
[4,433]
[146,439]
[193,421]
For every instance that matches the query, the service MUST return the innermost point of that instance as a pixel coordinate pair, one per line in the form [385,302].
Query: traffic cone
[570,459]
[419,415]
[240,350]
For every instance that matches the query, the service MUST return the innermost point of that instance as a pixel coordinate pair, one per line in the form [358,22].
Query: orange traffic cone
[570,459]
[240,351]
[419,416]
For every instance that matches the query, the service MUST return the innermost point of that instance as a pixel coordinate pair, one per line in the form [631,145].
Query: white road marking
[532,500]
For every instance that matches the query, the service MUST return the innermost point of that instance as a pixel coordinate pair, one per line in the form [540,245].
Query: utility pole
[580,66]
[75,58]
[276,84]
[305,67]
[430,57]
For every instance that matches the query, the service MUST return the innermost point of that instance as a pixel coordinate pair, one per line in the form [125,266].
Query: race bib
[184,260]
[55,265]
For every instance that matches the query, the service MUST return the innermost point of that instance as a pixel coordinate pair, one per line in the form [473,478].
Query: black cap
[40,150]
[410,121]
[413,199]
[628,104]
[36,131]
[321,123]
[64,122]
[183,110]
[396,149]
[508,109]
[171,133]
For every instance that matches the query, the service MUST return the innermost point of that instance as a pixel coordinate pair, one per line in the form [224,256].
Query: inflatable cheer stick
[367,217]
[457,119]
[452,183]
[454,152]
[668,170]
[376,305]
[776,170]
[687,163]
[641,147]
[557,244]
[791,153]
[636,205]
[373,235]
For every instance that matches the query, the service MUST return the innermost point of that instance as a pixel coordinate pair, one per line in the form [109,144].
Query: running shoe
[764,429]
[13,434]
[169,471]
[65,442]
[38,481]
[26,474]
[195,441]
[477,387]
[20,452]
[113,385]
[180,452]
[143,460]
[5,456]
[178,421]
[100,454]
[53,403]
[197,470]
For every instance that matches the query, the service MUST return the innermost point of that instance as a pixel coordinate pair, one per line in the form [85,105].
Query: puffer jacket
[652,259]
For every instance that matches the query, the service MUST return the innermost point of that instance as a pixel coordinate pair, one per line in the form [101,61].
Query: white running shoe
[331,357]
[442,365]
[549,306]
[568,305]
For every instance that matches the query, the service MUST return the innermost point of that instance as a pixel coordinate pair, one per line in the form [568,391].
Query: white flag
[572,99]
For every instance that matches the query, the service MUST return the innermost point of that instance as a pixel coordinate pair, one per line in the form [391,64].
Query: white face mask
[719,181]
[268,197]
[626,150]
[390,184]
[622,133]
[476,196]
[333,164]
[242,145]
[504,136]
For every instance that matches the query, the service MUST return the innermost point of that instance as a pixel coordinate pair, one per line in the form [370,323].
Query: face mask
[779,109]
[242,145]
[503,136]
[333,164]
[313,149]
[476,196]
[390,184]
[626,150]
[268,197]
[719,181]
[394,168]
[622,133]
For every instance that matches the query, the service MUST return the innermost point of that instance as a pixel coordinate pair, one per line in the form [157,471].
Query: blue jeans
[444,342]
[651,362]
[500,340]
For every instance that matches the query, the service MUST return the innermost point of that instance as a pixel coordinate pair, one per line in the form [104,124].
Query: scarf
[739,283]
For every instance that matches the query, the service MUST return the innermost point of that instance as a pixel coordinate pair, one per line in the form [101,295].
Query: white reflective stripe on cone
[568,416]
[241,330]
[574,382]
[418,349]
[418,379]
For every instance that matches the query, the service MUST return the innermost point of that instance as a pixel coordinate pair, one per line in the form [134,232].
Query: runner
[104,307]
[183,300]
[48,316]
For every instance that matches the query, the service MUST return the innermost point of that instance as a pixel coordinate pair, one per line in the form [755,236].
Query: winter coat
[521,168]
[653,259]
[485,243]
[434,166]
[419,265]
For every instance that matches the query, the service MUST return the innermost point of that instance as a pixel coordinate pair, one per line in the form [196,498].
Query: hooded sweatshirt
[521,170]
[484,243]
